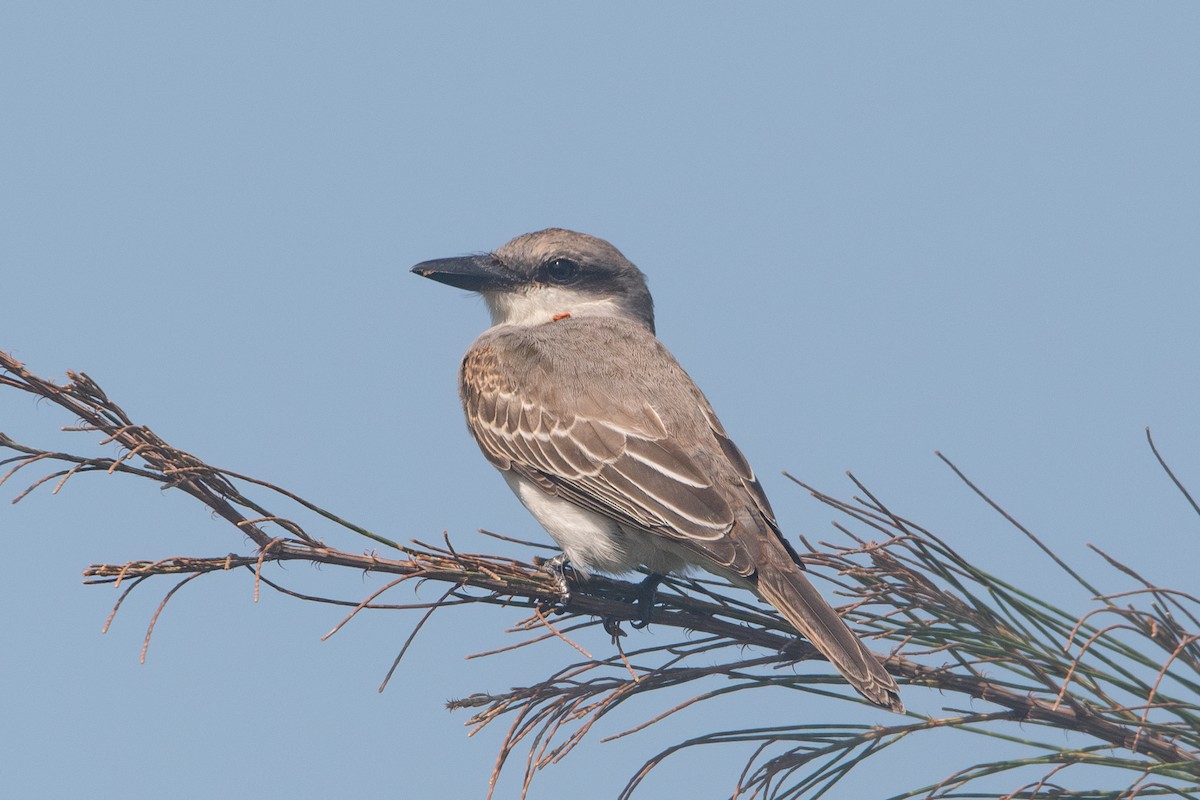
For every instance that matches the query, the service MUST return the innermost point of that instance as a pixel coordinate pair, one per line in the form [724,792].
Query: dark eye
[561,270]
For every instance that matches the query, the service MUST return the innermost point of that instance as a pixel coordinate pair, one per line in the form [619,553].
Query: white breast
[593,541]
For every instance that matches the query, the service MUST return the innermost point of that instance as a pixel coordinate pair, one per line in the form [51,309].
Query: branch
[1124,675]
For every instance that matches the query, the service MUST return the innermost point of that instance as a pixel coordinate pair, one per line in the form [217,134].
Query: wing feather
[601,441]
[638,444]
[618,459]
[670,462]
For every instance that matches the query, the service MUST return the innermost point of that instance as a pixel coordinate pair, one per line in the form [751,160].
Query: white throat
[540,304]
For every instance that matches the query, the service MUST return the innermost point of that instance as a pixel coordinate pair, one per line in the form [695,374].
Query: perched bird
[609,443]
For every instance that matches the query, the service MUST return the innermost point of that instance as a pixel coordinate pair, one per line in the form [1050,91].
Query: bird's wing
[651,455]
[618,457]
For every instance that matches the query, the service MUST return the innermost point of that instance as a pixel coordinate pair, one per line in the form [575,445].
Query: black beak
[477,273]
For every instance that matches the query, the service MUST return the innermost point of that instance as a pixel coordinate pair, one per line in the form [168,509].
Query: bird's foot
[612,626]
[799,649]
[558,567]
[647,590]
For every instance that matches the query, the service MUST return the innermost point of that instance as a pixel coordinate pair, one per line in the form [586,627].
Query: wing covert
[618,460]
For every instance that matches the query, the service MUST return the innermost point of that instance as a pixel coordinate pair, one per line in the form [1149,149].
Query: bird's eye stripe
[560,270]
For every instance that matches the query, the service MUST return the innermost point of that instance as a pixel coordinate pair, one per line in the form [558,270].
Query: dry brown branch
[1128,690]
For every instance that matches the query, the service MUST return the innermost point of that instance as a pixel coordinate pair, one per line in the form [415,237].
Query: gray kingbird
[609,443]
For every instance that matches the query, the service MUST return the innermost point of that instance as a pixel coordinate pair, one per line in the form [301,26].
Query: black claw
[612,626]
[646,592]
[558,567]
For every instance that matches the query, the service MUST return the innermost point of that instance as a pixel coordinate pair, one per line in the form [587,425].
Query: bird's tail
[786,588]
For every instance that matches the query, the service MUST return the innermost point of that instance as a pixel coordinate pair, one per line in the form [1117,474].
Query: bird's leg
[558,568]
[646,592]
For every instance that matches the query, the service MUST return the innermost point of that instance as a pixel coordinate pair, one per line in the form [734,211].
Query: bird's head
[547,275]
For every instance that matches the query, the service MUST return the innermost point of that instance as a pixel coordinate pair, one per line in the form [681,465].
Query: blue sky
[872,231]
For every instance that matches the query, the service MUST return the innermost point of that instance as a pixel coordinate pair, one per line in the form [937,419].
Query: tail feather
[786,588]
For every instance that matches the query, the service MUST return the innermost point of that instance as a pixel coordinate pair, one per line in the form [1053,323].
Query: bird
[610,444]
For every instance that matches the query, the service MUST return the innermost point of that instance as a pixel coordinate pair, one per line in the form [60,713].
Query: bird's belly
[594,542]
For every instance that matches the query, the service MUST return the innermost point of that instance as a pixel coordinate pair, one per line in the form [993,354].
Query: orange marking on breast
[557,317]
